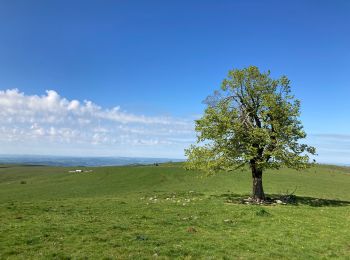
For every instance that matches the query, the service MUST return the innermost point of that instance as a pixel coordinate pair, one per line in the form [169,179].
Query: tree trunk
[258,191]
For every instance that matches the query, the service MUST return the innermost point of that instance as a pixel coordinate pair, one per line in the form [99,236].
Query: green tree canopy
[253,119]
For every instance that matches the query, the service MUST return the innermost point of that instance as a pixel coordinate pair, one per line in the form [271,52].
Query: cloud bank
[51,124]
[54,125]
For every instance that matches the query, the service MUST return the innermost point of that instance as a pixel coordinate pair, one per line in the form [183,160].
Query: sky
[127,78]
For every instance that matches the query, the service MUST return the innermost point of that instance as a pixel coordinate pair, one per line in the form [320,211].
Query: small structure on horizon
[79,171]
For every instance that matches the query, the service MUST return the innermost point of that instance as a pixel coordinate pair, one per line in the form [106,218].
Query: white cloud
[53,124]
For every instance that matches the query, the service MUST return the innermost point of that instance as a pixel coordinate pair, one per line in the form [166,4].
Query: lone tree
[252,120]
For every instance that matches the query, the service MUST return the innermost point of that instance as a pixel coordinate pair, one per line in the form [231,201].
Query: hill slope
[149,211]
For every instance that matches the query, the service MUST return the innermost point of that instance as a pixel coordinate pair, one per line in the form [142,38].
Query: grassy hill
[166,212]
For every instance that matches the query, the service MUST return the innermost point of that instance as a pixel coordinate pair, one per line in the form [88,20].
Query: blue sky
[157,60]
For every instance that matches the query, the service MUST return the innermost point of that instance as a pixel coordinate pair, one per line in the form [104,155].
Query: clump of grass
[141,237]
[262,213]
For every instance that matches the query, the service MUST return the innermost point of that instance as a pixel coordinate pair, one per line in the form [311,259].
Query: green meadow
[165,212]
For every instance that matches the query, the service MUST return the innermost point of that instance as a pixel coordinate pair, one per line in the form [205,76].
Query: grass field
[147,212]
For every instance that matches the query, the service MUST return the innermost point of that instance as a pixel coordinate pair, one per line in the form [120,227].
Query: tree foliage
[252,119]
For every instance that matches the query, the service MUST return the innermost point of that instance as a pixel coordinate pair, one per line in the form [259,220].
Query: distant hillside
[79,161]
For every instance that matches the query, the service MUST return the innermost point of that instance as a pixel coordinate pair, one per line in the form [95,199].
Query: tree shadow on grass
[273,199]
[318,202]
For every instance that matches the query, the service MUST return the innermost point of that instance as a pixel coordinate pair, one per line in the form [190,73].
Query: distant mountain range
[79,161]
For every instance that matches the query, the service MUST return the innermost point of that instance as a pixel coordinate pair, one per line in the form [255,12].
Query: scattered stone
[278,201]
[252,201]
